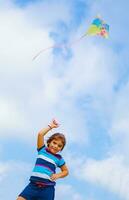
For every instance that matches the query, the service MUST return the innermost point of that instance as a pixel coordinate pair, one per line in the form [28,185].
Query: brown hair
[57,136]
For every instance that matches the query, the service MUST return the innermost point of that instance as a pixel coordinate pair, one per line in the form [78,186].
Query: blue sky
[85,86]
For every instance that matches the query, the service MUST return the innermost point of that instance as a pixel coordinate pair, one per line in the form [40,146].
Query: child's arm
[64,172]
[44,131]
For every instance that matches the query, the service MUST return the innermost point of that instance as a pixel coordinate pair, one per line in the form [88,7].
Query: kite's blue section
[97,22]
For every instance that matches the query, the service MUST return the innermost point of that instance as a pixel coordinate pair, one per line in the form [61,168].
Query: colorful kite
[97,27]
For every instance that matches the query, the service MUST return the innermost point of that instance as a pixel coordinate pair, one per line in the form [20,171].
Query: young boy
[42,180]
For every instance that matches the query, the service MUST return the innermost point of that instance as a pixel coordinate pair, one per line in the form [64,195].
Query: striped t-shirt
[45,166]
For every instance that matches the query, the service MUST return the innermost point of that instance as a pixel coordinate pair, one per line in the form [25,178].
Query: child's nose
[56,145]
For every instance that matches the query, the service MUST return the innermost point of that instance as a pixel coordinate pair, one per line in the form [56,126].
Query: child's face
[55,146]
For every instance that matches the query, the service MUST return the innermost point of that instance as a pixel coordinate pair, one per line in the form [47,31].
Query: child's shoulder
[43,147]
[58,156]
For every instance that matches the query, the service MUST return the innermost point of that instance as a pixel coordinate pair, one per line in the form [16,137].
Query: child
[42,180]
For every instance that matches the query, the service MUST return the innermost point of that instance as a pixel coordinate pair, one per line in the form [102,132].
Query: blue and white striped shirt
[45,166]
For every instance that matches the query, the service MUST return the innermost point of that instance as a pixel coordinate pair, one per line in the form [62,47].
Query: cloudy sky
[85,86]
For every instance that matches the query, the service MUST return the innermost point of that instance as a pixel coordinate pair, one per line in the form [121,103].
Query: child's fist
[54,124]
[54,177]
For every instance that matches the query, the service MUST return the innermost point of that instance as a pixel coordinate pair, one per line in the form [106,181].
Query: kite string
[59,46]
[42,51]
[77,40]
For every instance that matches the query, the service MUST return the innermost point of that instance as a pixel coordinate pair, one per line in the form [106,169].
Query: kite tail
[51,47]
[78,40]
[59,46]
[42,51]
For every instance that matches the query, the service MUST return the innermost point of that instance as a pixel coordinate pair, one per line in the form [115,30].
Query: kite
[97,27]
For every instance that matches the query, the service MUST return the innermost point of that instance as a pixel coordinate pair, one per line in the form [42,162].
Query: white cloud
[46,13]
[120,121]
[111,173]
[10,117]
[64,191]
[119,130]
[37,84]
[88,70]
[3,169]
[13,175]
[33,92]
[19,40]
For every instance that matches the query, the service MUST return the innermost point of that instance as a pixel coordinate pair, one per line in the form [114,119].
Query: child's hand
[54,177]
[54,124]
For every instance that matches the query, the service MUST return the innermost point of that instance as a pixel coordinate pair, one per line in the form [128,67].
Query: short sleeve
[61,162]
[39,149]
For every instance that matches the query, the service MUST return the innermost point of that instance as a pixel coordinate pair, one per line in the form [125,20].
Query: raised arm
[44,131]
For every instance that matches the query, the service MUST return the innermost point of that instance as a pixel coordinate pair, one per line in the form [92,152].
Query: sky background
[85,87]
